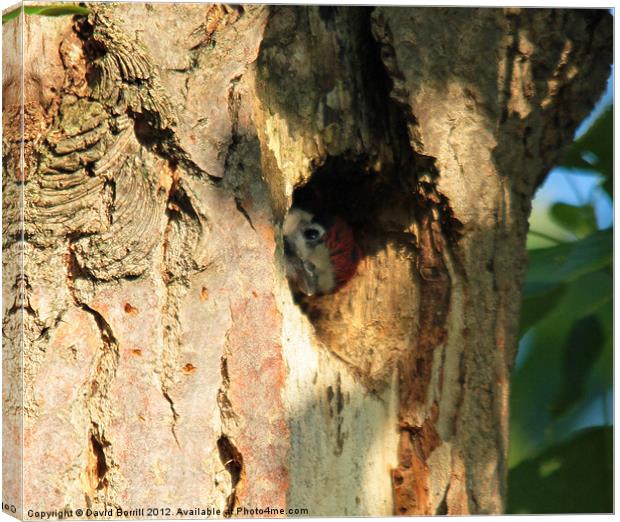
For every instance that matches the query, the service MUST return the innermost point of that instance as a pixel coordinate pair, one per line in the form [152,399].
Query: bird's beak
[308,279]
[303,273]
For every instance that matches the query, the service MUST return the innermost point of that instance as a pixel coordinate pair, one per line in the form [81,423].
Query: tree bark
[165,360]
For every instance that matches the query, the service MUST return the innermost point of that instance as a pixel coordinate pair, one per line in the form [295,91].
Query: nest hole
[373,202]
[378,206]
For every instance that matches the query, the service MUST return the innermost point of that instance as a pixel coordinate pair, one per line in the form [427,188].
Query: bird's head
[320,250]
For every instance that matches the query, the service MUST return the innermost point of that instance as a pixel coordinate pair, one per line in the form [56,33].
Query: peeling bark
[165,359]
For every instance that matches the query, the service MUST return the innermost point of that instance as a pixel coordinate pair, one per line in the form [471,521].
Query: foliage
[564,370]
[560,478]
[46,10]
[593,152]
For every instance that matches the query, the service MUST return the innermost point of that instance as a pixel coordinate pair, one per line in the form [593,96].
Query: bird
[320,251]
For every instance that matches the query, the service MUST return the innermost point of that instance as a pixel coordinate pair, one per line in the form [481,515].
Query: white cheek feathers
[308,263]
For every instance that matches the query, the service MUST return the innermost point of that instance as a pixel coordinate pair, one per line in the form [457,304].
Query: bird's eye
[312,234]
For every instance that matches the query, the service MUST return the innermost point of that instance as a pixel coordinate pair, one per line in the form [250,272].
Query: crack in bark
[98,466]
[170,333]
[227,413]
[454,153]
[175,267]
[509,63]
[244,212]
[104,372]
[223,402]
[175,416]
[229,455]
[232,150]
[233,462]
[442,507]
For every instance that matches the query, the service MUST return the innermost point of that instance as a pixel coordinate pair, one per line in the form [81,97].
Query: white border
[460,3]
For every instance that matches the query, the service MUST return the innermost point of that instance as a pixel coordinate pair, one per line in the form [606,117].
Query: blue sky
[569,187]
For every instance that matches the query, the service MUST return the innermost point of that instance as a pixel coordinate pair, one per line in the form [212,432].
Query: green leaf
[550,267]
[538,378]
[11,14]
[582,348]
[536,308]
[599,381]
[608,185]
[593,152]
[572,477]
[580,220]
[59,10]
[46,10]
[601,376]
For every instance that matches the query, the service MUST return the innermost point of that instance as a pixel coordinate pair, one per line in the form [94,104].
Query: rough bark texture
[166,362]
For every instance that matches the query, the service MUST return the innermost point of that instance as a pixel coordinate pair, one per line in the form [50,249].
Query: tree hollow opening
[369,322]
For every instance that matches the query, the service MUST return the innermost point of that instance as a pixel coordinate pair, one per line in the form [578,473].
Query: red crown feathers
[345,254]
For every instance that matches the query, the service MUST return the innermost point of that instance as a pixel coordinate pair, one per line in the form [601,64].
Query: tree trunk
[166,363]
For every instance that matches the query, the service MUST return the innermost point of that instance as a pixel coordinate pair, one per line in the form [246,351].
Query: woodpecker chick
[321,253]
